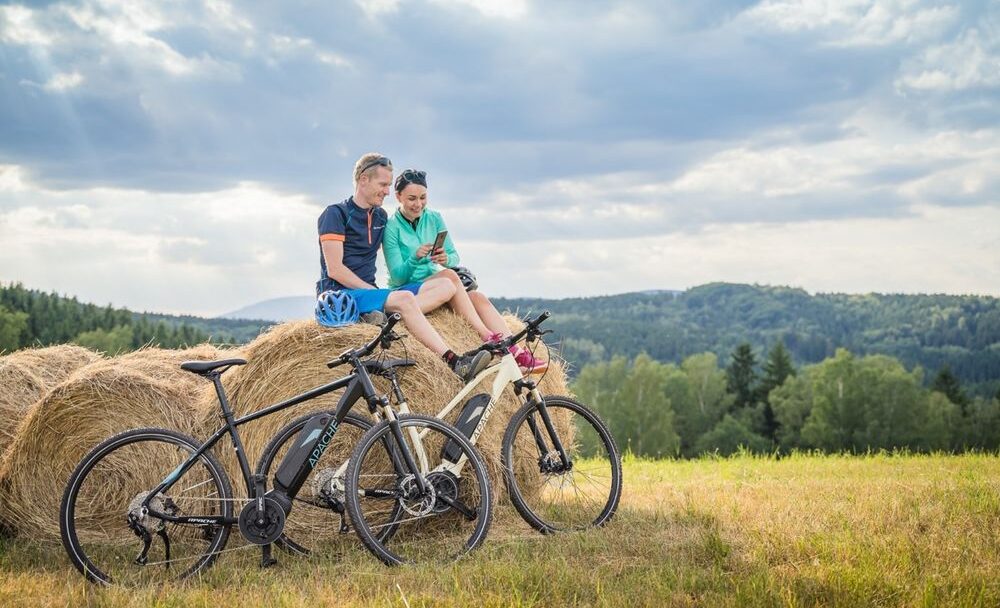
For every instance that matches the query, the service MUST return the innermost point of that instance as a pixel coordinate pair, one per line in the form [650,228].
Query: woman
[406,244]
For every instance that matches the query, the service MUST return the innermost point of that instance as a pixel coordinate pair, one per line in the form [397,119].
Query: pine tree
[945,382]
[777,369]
[741,376]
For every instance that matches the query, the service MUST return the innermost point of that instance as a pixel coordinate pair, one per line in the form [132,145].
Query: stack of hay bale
[148,388]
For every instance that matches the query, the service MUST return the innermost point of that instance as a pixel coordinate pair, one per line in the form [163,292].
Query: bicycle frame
[504,373]
[358,382]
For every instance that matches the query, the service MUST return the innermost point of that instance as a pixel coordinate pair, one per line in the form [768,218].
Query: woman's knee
[442,283]
[478,298]
[451,275]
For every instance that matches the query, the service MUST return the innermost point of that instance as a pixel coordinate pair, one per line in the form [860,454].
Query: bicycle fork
[545,462]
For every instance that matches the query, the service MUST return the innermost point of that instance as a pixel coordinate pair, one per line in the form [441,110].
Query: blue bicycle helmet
[336,308]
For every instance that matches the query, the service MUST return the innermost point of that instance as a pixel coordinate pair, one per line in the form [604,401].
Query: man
[350,233]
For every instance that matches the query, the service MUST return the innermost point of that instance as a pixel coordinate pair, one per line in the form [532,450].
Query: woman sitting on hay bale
[407,246]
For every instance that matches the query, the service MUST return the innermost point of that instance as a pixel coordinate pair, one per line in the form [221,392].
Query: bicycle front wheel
[111,539]
[404,476]
[555,493]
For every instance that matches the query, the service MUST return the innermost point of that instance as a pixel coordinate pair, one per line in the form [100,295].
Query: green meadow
[877,530]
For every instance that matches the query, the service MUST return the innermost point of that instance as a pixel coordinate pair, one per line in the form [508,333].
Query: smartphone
[439,241]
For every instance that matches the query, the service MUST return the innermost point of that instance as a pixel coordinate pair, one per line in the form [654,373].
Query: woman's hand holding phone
[423,250]
[440,257]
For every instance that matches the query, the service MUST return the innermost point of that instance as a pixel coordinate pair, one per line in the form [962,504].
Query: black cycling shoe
[468,366]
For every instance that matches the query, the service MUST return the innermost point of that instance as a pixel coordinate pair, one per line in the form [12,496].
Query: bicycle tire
[102,493]
[447,531]
[550,507]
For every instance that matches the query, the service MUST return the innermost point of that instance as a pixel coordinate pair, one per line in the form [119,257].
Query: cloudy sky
[174,156]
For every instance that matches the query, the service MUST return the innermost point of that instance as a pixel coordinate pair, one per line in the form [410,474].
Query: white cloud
[18,26]
[970,62]
[128,27]
[505,9]
[202,253]
[64,81]
[935,251]
[375,8]
[287,46]
[855,22]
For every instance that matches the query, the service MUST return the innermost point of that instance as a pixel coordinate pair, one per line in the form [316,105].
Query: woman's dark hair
[410,176]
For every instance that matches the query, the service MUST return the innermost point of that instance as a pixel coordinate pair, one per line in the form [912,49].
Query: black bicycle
[151,504]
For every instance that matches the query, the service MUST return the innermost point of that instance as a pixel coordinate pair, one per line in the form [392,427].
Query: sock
[449,357]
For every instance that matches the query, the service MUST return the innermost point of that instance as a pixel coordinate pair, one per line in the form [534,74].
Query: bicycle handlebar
[530,331]
[364,351]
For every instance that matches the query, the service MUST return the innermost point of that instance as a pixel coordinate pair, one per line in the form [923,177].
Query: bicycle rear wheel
[445,519]
[555,495]
[104,528]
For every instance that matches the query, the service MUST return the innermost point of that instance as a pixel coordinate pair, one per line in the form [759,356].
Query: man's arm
[333,254]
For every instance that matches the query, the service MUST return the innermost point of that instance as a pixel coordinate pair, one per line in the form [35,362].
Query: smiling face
[412,201]
[373,187]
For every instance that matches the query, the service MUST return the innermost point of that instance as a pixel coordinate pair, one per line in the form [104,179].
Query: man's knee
[402,301]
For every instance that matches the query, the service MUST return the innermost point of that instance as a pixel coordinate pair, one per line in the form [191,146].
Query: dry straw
[144,388]
[291,358]
[26,375]
[147,388]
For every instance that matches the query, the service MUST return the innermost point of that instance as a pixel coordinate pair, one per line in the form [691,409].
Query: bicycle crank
[262,528]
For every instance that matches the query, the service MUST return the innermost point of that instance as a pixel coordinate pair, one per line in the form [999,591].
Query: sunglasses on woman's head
[411,176]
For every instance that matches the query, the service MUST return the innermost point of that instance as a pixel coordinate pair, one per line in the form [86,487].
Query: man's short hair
[369,163]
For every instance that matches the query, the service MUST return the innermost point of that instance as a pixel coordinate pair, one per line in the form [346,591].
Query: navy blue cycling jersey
[360,230]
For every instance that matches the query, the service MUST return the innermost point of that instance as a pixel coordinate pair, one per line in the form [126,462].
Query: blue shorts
[374,299]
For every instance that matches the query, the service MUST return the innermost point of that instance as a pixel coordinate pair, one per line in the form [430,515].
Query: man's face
[376,186]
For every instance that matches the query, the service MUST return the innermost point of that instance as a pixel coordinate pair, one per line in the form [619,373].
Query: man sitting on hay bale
[350,234]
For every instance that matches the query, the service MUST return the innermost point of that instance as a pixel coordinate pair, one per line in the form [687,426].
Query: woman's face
[412,200]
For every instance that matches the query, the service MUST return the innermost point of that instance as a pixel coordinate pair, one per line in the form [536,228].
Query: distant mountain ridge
[277,309]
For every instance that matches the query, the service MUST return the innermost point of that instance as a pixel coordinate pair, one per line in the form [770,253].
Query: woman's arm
[400,262]
[450,259]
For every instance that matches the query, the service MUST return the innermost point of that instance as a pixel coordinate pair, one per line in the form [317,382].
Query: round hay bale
[290,359]
[27,374]
[53,364]
[144,388]
[21,388]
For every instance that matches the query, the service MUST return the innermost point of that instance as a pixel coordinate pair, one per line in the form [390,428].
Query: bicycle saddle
[203,367]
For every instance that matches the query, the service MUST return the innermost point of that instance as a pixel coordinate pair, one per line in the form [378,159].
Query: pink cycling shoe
[528,363]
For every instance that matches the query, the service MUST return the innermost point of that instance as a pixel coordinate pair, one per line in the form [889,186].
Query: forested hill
[29,317]
[926,330]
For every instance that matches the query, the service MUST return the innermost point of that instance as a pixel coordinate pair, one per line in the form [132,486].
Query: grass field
[803,531]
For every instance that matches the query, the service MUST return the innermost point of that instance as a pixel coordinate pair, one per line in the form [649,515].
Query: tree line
[34,318]
[929,331]
[845,403]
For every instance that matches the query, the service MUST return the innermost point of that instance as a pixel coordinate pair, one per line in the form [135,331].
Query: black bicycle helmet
[468,279]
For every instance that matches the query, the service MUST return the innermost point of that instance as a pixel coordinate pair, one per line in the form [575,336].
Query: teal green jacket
[400,243]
